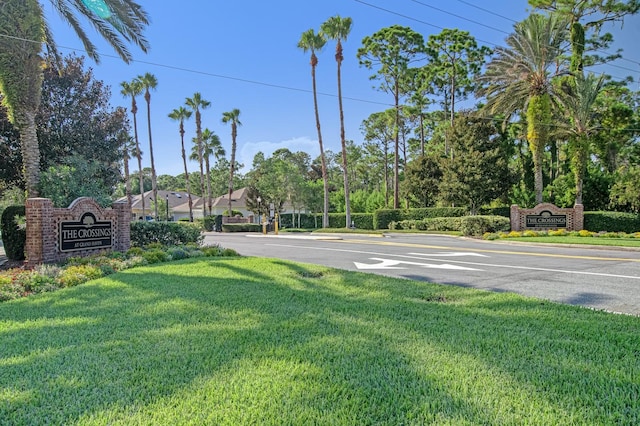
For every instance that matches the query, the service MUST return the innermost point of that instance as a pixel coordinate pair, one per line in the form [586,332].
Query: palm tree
[149,81]
[211,145]
[579,105]
[133,89]
[520,78]
[312,42]
[338,29]
[128,147]
[232,117]
[197,103]
[181,114]
[24,29]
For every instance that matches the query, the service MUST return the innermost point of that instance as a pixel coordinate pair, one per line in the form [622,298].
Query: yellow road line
[426,246]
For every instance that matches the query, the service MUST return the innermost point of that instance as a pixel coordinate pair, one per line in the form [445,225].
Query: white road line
[485,265]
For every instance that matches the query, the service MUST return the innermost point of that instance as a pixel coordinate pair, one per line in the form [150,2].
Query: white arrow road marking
[392,264]
[450,254]
[385,264]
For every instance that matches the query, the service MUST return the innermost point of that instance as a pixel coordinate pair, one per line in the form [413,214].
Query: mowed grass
[594,241]
[234,341]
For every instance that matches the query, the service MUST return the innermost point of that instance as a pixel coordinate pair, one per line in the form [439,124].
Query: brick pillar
[515,217]
[40,246]
[122,226]
[578,217]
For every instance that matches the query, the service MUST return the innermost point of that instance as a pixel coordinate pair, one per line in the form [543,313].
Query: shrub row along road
[599,278]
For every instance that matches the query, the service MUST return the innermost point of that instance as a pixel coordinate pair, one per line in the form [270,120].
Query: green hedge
[336,220]
[504,211]
[383,217]
[14,237]
[241,227]
[165,233]
[468,225]
[611,222]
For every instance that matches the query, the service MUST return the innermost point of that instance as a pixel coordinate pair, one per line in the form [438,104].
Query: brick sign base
[547,216]
[83,229]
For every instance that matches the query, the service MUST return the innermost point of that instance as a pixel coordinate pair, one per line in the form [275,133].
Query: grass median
[262,341]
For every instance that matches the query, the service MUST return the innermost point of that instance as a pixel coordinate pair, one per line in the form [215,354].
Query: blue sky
[243,54]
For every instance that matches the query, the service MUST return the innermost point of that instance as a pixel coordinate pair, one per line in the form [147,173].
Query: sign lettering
[546,220]
[87,233]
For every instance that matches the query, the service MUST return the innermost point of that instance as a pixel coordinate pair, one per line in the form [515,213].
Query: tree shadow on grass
[375,350]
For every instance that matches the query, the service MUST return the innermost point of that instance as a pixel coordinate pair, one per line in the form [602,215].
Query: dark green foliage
[611,222]
[241,227]
[155,256]
[165,233]
[177,253]
[13,236]
[496,211]
[210,223]
[383,217]
[307,221]
[362,220]
[440,224]
[478,225]
[477,171]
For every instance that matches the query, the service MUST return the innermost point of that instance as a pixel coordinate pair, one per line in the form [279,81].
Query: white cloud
[250,149]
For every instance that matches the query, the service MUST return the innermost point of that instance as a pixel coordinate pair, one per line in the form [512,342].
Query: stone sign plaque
[546,219]
[87,233]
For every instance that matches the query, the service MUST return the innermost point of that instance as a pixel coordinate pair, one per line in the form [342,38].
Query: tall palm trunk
[345,173]
[21,78]
[538,121]
[579,163]
[154,183]
[134,112]
[127,184]
[396,160]
[186,173]
[234,134]
[26,123]
[208,175]
[325,179]
[201,161]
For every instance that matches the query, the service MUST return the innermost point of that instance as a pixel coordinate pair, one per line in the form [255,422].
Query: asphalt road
[600,278]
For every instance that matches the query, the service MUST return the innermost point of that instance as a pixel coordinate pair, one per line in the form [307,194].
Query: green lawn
[253,341]
[595,241]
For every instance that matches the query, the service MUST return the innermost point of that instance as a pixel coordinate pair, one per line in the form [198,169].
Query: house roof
[238,201]
[175,198]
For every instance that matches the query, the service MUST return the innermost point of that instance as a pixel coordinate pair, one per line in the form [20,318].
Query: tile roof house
[172,198]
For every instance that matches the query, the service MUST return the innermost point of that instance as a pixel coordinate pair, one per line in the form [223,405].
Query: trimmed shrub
[383,217]
[78,274]
[164,233]
[177,253]
[479,225]
[362,220]
[612,222]
[496,211]
[210,223]
[14,236]
[241,227]
[155,256]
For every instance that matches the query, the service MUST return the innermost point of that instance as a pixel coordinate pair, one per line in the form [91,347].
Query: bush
[14,236]
[479,225]
[164,233]
[78,274]
[241,227]
[177,253]
[383,217]
[611,222]
[155,255]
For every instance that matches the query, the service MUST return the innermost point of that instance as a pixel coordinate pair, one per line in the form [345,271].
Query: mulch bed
[10,264]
